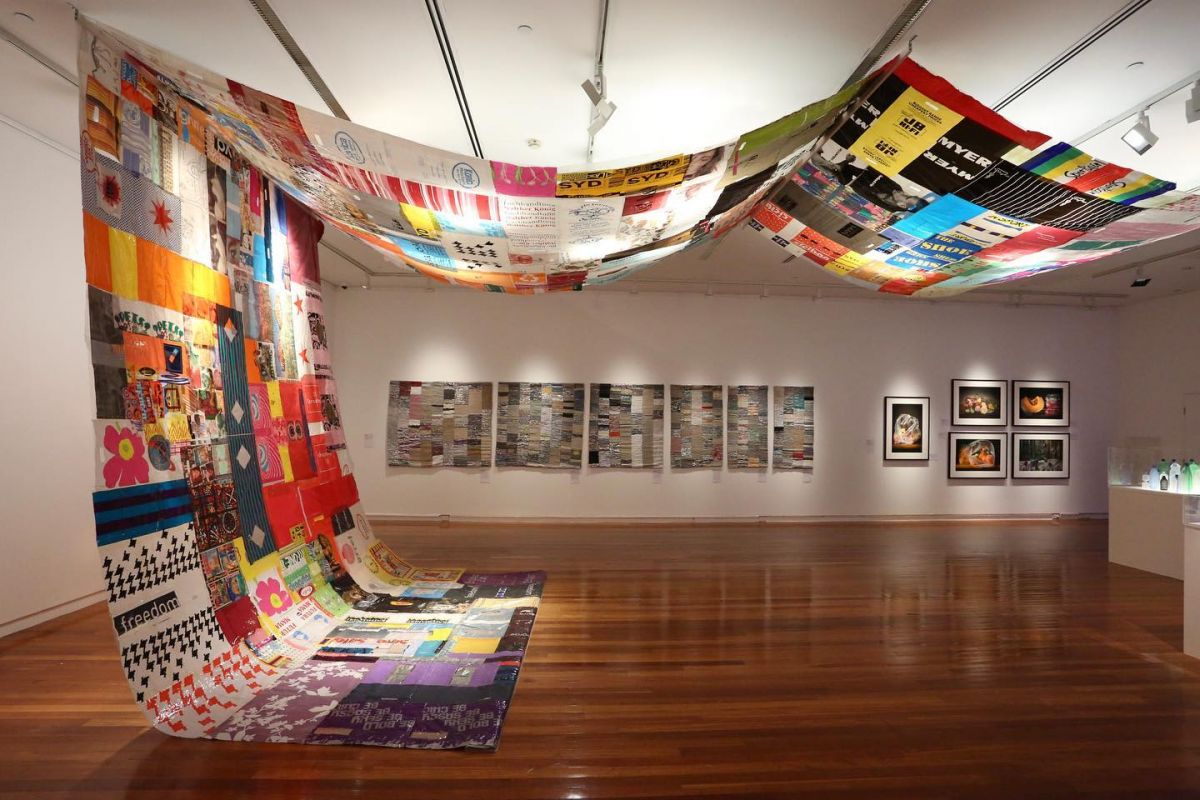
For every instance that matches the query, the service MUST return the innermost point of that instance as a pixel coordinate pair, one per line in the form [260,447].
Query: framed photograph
[1042,403]
[978,402]
[905,428]
[1041,455]
[978,455]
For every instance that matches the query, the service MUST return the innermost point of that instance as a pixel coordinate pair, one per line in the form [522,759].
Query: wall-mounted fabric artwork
[697,434]
[793,427]
[439,424]
[625,425]
[539,425]
[922,190]
[250,599]
[746,424]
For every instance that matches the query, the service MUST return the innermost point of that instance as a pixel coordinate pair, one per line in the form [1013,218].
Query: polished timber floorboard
[928,661]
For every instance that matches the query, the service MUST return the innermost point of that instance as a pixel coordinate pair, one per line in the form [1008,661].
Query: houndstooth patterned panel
[147,561]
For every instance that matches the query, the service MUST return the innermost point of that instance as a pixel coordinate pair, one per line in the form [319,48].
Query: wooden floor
[985,660]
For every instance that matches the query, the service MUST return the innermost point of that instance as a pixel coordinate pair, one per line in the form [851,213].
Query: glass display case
[1152,468]
[1191,510]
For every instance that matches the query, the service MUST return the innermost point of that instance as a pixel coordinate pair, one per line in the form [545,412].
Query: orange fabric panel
[253,373]
[96,255]
[160,276]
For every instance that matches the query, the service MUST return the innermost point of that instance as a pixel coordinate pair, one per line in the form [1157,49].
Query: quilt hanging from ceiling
[917,189]
[793,447]
[539,425]
[697,419]
[625,425]
[746,420]
[249,597]
[924,191]
[438,424]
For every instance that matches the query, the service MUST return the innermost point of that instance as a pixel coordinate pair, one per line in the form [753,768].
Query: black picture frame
[893,407]
[1062,474]
[1027,395]
[989,440]
[997,389]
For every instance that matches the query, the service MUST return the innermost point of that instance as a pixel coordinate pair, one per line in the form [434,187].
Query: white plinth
[1145,530]
[1191,590]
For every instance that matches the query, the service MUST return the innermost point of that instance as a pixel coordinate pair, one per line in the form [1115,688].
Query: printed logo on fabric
[465,175]
[348,147]
[146,612]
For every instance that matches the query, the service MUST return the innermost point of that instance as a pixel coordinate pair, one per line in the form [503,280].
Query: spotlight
[1192,104]
[1139,279]
[603,107]
[1140,137]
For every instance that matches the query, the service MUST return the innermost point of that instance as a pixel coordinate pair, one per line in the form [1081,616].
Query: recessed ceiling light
[24,17]
[1135,64]
[525,29]
[533,144]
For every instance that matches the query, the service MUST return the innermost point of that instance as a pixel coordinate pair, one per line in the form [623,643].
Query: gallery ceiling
[683,75]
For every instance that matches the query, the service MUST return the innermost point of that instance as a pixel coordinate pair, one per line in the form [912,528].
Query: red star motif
[299,304]
[111,188]
[162,217]
[304,356]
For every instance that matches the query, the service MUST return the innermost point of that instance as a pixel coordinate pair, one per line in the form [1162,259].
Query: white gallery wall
[50,560]
[1159,366]
[853,353]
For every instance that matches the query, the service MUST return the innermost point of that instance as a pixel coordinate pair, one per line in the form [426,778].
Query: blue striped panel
[138,510]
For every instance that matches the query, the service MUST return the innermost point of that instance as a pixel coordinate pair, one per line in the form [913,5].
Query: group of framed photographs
[986,454]
[1035,456]
[1035,404]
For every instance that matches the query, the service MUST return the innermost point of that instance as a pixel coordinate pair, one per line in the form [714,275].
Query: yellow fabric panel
[471,644]
[905,129]
[122,255]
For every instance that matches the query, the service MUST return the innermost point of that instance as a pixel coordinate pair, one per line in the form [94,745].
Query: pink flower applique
[128,465]
[272,596]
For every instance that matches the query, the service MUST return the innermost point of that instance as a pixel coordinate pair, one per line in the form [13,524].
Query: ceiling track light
[1192,104]
[602,107]
[1140,138]
[1140,281]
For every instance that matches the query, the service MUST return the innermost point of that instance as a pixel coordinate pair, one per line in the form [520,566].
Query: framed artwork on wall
[978,403]
[1041,455]
[978,454]
[1042,403]
[905,428]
